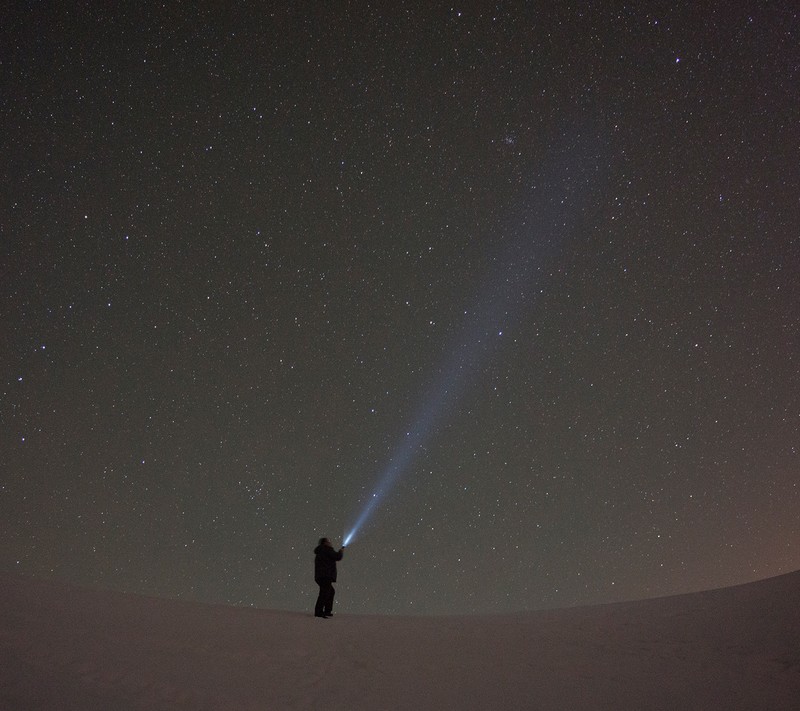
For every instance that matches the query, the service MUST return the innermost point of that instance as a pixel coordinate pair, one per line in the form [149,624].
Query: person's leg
[328,606]
[319,608]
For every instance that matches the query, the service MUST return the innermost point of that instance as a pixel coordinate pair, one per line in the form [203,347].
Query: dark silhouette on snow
[325,576]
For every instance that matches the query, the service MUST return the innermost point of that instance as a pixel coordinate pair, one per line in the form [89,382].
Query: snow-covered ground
[68,648]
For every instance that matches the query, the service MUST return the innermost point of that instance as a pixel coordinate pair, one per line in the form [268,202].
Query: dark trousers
[324,604]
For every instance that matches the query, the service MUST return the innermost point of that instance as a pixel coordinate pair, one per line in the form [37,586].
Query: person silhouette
[325,558]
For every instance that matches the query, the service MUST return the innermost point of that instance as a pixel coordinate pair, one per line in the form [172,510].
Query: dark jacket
[325,563]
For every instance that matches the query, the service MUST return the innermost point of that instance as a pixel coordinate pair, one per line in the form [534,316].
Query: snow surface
[70,648]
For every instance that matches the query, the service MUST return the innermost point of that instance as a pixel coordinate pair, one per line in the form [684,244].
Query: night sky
[539,263]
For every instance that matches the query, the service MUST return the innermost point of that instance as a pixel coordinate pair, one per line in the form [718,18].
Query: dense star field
[528,272]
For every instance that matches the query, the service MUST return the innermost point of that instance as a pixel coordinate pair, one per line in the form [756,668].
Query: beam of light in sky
[559,196]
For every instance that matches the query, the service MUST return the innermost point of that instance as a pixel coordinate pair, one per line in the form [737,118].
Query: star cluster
[243,245]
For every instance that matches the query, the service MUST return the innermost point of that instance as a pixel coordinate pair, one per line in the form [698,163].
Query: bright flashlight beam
[560,199]
[414,439]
